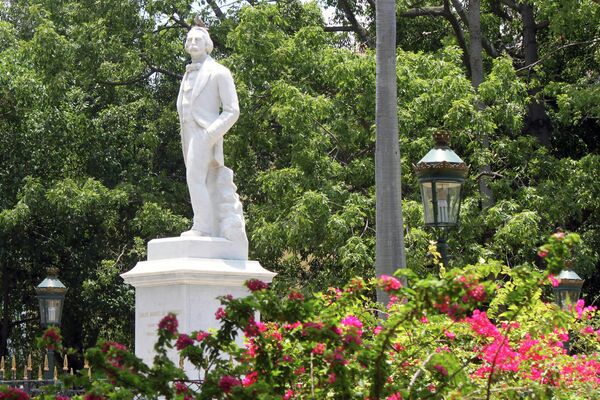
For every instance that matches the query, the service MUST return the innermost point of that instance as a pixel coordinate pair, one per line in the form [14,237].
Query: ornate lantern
[569,288]
[441,174]
[51,295]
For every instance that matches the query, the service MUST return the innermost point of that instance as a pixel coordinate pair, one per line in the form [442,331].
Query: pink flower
[559,235]
[250,379]
[450,335]
[553,280]
[183,341]
[395,396]
[180,388]
[228,382]
[201,335]
[169,323]
[351,320]
[588,330]
[377,330]
[542,253]
[389,283]
[294,295]
[11,393]
[424,320]
[288,394]
[441,369]
[478,293]
[255,285]
[220,314]
[353,329]
[319,348]
[331,378]
[481,324]
[293,326]
[89,396]
[112,346]
[582,310]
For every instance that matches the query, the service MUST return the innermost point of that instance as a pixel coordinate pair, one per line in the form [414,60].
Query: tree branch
[218,12]
[485,43]
[497,9]
[360,31]
[460,36]
[180,21]
[512,5]
[437,11]
[443,11]
[555,50]
[166,72]
[339,29]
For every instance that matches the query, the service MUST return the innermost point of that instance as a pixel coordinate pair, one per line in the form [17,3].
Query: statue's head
[198,40]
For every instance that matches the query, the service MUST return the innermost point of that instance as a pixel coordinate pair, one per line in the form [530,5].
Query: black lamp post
[441,174]
[569,288]
[51,296]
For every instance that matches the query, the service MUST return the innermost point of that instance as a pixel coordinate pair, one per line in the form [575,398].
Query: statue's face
[195,43]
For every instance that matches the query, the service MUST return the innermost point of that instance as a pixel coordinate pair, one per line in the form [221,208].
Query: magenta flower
[183,341]
[228,382]
[220,314]
[169,323]
[553,280]
[441,369]
[250,379]
[319,348]
[389,283]
[255,285]
[331,378]
[351,320]
[202,335]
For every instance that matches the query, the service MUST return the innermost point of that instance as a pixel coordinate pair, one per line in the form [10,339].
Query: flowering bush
[483,331]
[51,339]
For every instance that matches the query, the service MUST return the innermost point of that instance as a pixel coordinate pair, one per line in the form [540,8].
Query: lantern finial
[442,138]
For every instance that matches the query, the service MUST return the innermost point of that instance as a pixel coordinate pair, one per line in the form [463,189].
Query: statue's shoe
[194,232]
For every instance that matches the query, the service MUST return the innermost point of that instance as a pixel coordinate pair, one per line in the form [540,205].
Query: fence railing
[25,379]
[31,380]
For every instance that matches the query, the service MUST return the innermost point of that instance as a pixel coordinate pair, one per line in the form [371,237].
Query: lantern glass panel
[568,296]
[427,196]
[448,202]
[51,310]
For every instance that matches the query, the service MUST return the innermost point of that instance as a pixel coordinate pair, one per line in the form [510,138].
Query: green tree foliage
[91,165]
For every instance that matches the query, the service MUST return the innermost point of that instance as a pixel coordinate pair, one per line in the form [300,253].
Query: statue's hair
[204,31]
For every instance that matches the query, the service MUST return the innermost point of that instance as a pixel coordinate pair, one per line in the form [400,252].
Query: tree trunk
[476,62]
[389,229]
[4,329]
[537,122]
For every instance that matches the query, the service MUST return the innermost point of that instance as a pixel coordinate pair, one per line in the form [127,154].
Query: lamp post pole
[51,296]
[441,174]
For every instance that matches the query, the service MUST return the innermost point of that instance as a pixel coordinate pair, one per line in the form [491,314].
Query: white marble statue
[208,107]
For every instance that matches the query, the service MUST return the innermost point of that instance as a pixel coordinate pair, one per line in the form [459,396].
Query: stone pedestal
[184,275]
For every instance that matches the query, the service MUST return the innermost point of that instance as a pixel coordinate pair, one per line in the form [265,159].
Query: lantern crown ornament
[441,174]
[51,295]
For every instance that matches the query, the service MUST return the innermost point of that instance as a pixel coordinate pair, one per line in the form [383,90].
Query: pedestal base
[186,286]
